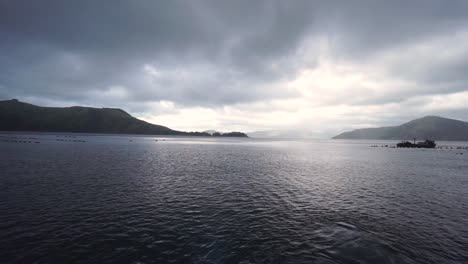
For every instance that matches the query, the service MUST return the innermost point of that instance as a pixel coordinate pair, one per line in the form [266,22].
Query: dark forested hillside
[20,116]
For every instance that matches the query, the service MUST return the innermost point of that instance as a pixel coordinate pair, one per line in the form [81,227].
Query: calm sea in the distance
[75,198]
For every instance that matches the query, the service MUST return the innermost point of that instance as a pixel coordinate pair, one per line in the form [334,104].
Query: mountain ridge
[20,116]
[431,127]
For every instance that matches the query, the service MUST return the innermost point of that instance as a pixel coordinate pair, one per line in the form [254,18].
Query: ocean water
[126,199]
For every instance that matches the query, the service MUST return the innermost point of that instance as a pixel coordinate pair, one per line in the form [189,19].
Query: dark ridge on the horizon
[20,116]
[430,127]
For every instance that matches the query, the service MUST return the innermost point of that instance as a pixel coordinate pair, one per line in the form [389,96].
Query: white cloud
[335,94]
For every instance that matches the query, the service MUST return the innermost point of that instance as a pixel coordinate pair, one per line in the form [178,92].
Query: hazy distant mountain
[288,134]
[211,131]
[265,134]
[431,127]
[19,116]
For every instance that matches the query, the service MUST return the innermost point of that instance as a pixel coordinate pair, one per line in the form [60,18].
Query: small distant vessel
[422,144]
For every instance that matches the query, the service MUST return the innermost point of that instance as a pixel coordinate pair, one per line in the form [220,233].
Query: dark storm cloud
[208,53]
[363,27]
[64,49]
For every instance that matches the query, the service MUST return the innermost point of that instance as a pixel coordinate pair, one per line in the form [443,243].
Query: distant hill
[430,127]
[211,131]
[20,116]
[215,133]
[289,134]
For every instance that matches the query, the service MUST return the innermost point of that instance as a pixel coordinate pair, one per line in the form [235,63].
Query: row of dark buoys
[16,137]
[155,140]
[24,139]
[67,136]
[19,141]
[450,148]
[70,140]
[382,146]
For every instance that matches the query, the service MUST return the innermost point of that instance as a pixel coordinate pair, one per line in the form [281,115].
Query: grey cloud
[362,28]
[72,50]
[113,40]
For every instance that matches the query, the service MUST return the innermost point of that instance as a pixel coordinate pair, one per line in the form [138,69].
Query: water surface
[129,199]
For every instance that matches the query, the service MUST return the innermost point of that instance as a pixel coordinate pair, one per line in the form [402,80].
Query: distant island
[20,116]
[429,127]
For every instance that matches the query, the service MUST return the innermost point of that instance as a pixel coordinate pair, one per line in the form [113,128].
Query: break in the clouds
[319,66]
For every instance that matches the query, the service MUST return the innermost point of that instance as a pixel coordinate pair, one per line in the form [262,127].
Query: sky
[322,67]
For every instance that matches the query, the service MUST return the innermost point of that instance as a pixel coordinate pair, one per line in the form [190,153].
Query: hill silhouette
[431,127]
[20,116]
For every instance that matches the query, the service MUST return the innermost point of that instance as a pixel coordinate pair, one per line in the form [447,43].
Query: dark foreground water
[134,200]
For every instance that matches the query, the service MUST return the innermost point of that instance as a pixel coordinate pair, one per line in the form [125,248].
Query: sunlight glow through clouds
[336,92]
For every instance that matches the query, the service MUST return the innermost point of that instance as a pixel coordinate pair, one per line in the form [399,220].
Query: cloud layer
[320,66]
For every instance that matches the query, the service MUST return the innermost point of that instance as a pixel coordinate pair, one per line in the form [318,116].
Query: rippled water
[123,199]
